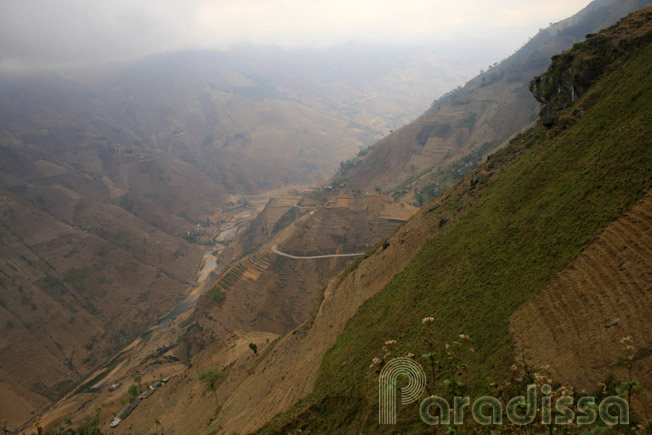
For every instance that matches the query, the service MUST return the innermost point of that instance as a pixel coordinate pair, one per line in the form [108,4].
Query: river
[210,264]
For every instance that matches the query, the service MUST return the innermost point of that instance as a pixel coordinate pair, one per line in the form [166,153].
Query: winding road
[314,257]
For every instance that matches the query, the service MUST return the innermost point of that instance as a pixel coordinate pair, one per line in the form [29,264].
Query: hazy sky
[53,32]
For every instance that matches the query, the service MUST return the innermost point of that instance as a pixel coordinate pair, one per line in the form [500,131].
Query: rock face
[573,72]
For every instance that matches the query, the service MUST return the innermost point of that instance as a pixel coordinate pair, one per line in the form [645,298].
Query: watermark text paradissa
[486,410]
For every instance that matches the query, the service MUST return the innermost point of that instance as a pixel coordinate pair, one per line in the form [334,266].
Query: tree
[133,390]
[37,426]
[158,424]
[210,378]
[90,425]
[137,380]
[254,348]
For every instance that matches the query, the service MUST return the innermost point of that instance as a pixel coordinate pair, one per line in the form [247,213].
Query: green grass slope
[561,189]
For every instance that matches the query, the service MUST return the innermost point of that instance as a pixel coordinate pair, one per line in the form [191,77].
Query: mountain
[116,188]
[420,160]
[540,255]
[264,293]
[115,185]
[261,118]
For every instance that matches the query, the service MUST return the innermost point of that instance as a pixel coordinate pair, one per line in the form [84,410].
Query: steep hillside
[560,212]
[553,192]
[480,259]
[94,236]
[111,182]
[80,279]
[423,158]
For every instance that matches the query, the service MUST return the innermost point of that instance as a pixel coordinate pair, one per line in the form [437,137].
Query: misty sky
[59,32]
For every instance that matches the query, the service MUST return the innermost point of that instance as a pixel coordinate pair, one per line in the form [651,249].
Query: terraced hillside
[277,214]
[249,267]
[268,292]
[554,191]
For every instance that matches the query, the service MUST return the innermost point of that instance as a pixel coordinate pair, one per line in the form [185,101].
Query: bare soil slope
[71,298]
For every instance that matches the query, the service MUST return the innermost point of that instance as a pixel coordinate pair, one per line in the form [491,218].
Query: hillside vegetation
[554,192]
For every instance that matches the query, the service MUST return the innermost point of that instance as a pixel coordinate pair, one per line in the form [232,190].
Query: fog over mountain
[213,213]
[70,32]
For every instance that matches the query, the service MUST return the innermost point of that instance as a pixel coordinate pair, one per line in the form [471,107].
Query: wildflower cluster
[630,386]
[444,359]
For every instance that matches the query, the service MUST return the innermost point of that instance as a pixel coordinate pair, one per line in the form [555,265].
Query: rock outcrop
[573,72]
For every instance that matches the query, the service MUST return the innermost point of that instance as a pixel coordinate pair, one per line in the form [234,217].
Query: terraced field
[576,323]
[249,267]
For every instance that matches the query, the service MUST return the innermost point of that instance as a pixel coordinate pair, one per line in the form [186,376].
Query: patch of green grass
[533,219]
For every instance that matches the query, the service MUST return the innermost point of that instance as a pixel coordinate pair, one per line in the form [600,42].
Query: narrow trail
[314,257]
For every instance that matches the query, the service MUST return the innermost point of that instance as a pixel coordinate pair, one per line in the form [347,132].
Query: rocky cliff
[573,72]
